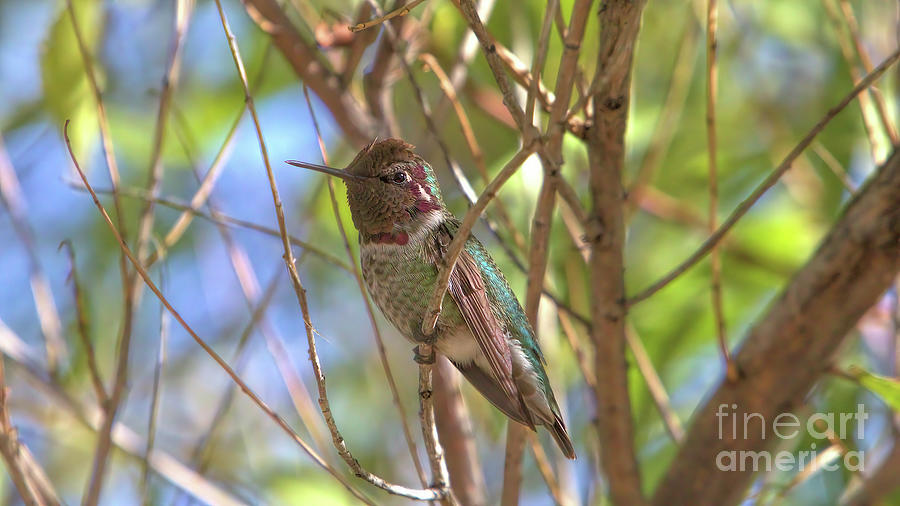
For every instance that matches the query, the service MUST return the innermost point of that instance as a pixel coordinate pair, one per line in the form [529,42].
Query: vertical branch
[379,342]
[154,397]
[552,161]
[83,330]
[712,85]
[155,171]
[619,24]
[456,435]
[667,124]
[537,66]
[435,493]
[439,474]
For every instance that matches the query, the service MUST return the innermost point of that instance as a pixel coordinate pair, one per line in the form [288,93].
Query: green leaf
[67,92]
[886,388]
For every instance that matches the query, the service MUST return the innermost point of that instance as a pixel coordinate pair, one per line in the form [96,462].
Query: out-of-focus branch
[865,104]
[134,286]
[667,124]
[470,13]
[866,60]
[377,89]
[712,86]
[765,185]
[789,348]
[215,356]
[90,416]
[26,474]
[356,122]
[619,25]
[877,484]
[12,199]
[83,331]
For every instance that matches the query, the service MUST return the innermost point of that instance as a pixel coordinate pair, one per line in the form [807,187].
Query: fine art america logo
[734,425]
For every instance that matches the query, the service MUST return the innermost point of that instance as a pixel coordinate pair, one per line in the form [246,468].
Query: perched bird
[404,231]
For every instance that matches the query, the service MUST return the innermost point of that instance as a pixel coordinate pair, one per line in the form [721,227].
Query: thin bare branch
[153,414]
[224,219]
[834,165]
[379,342]
[439,474]
[83,330]
[654,385]
[456,246]
[866,60]
[712,85]
[537,65]
[439,492]
[401,11]
[865,104]
[215,356]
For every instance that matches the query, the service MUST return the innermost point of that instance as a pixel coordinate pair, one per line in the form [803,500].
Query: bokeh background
[781,69]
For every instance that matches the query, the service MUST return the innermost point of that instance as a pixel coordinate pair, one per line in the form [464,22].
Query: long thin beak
[327,170]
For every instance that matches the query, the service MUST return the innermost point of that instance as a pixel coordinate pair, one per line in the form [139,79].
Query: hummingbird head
[392,191]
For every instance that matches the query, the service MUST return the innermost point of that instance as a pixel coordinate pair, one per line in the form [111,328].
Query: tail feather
[561,436]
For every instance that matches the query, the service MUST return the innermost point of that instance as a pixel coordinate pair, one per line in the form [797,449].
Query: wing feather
[468,292]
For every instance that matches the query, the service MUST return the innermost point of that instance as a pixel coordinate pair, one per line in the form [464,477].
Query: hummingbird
[404,232]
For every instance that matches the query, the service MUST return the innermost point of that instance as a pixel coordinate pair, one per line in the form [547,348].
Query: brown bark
[619,24]
[791,345]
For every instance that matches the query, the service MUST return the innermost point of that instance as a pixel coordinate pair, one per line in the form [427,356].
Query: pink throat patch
[400,238]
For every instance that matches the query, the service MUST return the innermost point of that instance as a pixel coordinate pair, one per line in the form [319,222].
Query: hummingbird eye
[399,177]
